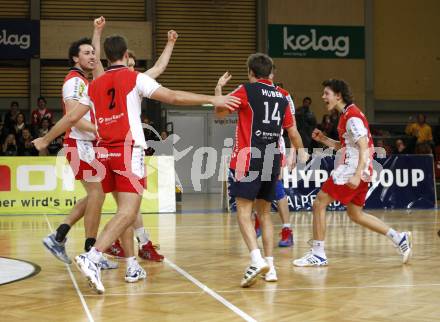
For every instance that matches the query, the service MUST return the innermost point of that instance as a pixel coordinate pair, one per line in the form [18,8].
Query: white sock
[287,226]
[141,235]
[131,261]
[94,255]
[318,248]
[256,256]
[394,236]
[269,260]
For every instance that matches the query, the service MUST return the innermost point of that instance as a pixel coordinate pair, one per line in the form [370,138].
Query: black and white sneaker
[252,271]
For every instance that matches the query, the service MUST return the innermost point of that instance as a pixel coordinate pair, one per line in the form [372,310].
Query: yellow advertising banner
[46,185]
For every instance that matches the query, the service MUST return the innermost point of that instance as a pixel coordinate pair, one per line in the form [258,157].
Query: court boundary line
[275,290]
[75,284]
[206,289]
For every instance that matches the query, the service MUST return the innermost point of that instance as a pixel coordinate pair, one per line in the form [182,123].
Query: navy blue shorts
[279,190]
[255,189]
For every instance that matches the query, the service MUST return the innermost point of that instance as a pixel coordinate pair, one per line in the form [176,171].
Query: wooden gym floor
[205,259]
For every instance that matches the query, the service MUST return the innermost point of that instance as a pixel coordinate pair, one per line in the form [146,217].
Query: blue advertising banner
[399,182]
[19,39]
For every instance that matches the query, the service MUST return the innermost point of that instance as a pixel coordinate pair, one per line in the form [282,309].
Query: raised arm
[98,27]
[162,63]
[222,81]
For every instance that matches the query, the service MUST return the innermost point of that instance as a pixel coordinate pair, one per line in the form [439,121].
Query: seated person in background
[381,144]
[20,124]
[55,145]
[163,135]
[400,147]
[44,127]
[40,113]
[24,145]
[9,147]
[420,129]
[9,120]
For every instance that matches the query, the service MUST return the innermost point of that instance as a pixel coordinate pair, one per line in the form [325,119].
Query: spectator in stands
[149,134]
[400,147]
[9,147]
[41,113]
[55,145]
[44,127]
[163,135]
[20,124]
[381,144]
[10,116]
[328,127]
[306,121]
[420,129]
[25,146]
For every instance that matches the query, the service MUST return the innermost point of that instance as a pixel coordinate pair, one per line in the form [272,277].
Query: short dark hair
[74,48]
[14,103]
[340,86]
[42,98]
[308,99]
[260,64]
[115,47]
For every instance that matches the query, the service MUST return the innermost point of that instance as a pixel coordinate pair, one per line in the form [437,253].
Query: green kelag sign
[303,41]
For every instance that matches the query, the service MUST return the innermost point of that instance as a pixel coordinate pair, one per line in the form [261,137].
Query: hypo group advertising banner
[308,41]
[399,182]
[46,185]
[19,39]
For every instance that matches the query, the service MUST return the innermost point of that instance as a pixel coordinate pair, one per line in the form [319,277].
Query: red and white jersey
[282,143]
[351,127]
[75,88]
[116,99]
[262,113]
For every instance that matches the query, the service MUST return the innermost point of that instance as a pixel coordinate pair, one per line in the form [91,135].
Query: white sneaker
[310,259]
[252,271]
[135,273]
[91,271]
[105,263]
[271,276]
[405,246]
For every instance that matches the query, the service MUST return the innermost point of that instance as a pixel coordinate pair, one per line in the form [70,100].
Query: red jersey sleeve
[288,120]
[240,92]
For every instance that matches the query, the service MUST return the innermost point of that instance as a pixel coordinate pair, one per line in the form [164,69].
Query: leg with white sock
[401,240]
[134,271]
[139,230]
[258,264]
[146,249]
[263,208]
[317,257]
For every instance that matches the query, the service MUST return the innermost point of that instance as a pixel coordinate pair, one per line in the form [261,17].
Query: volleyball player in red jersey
[146,249]
[348,182]
[116,97]
[79,144]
